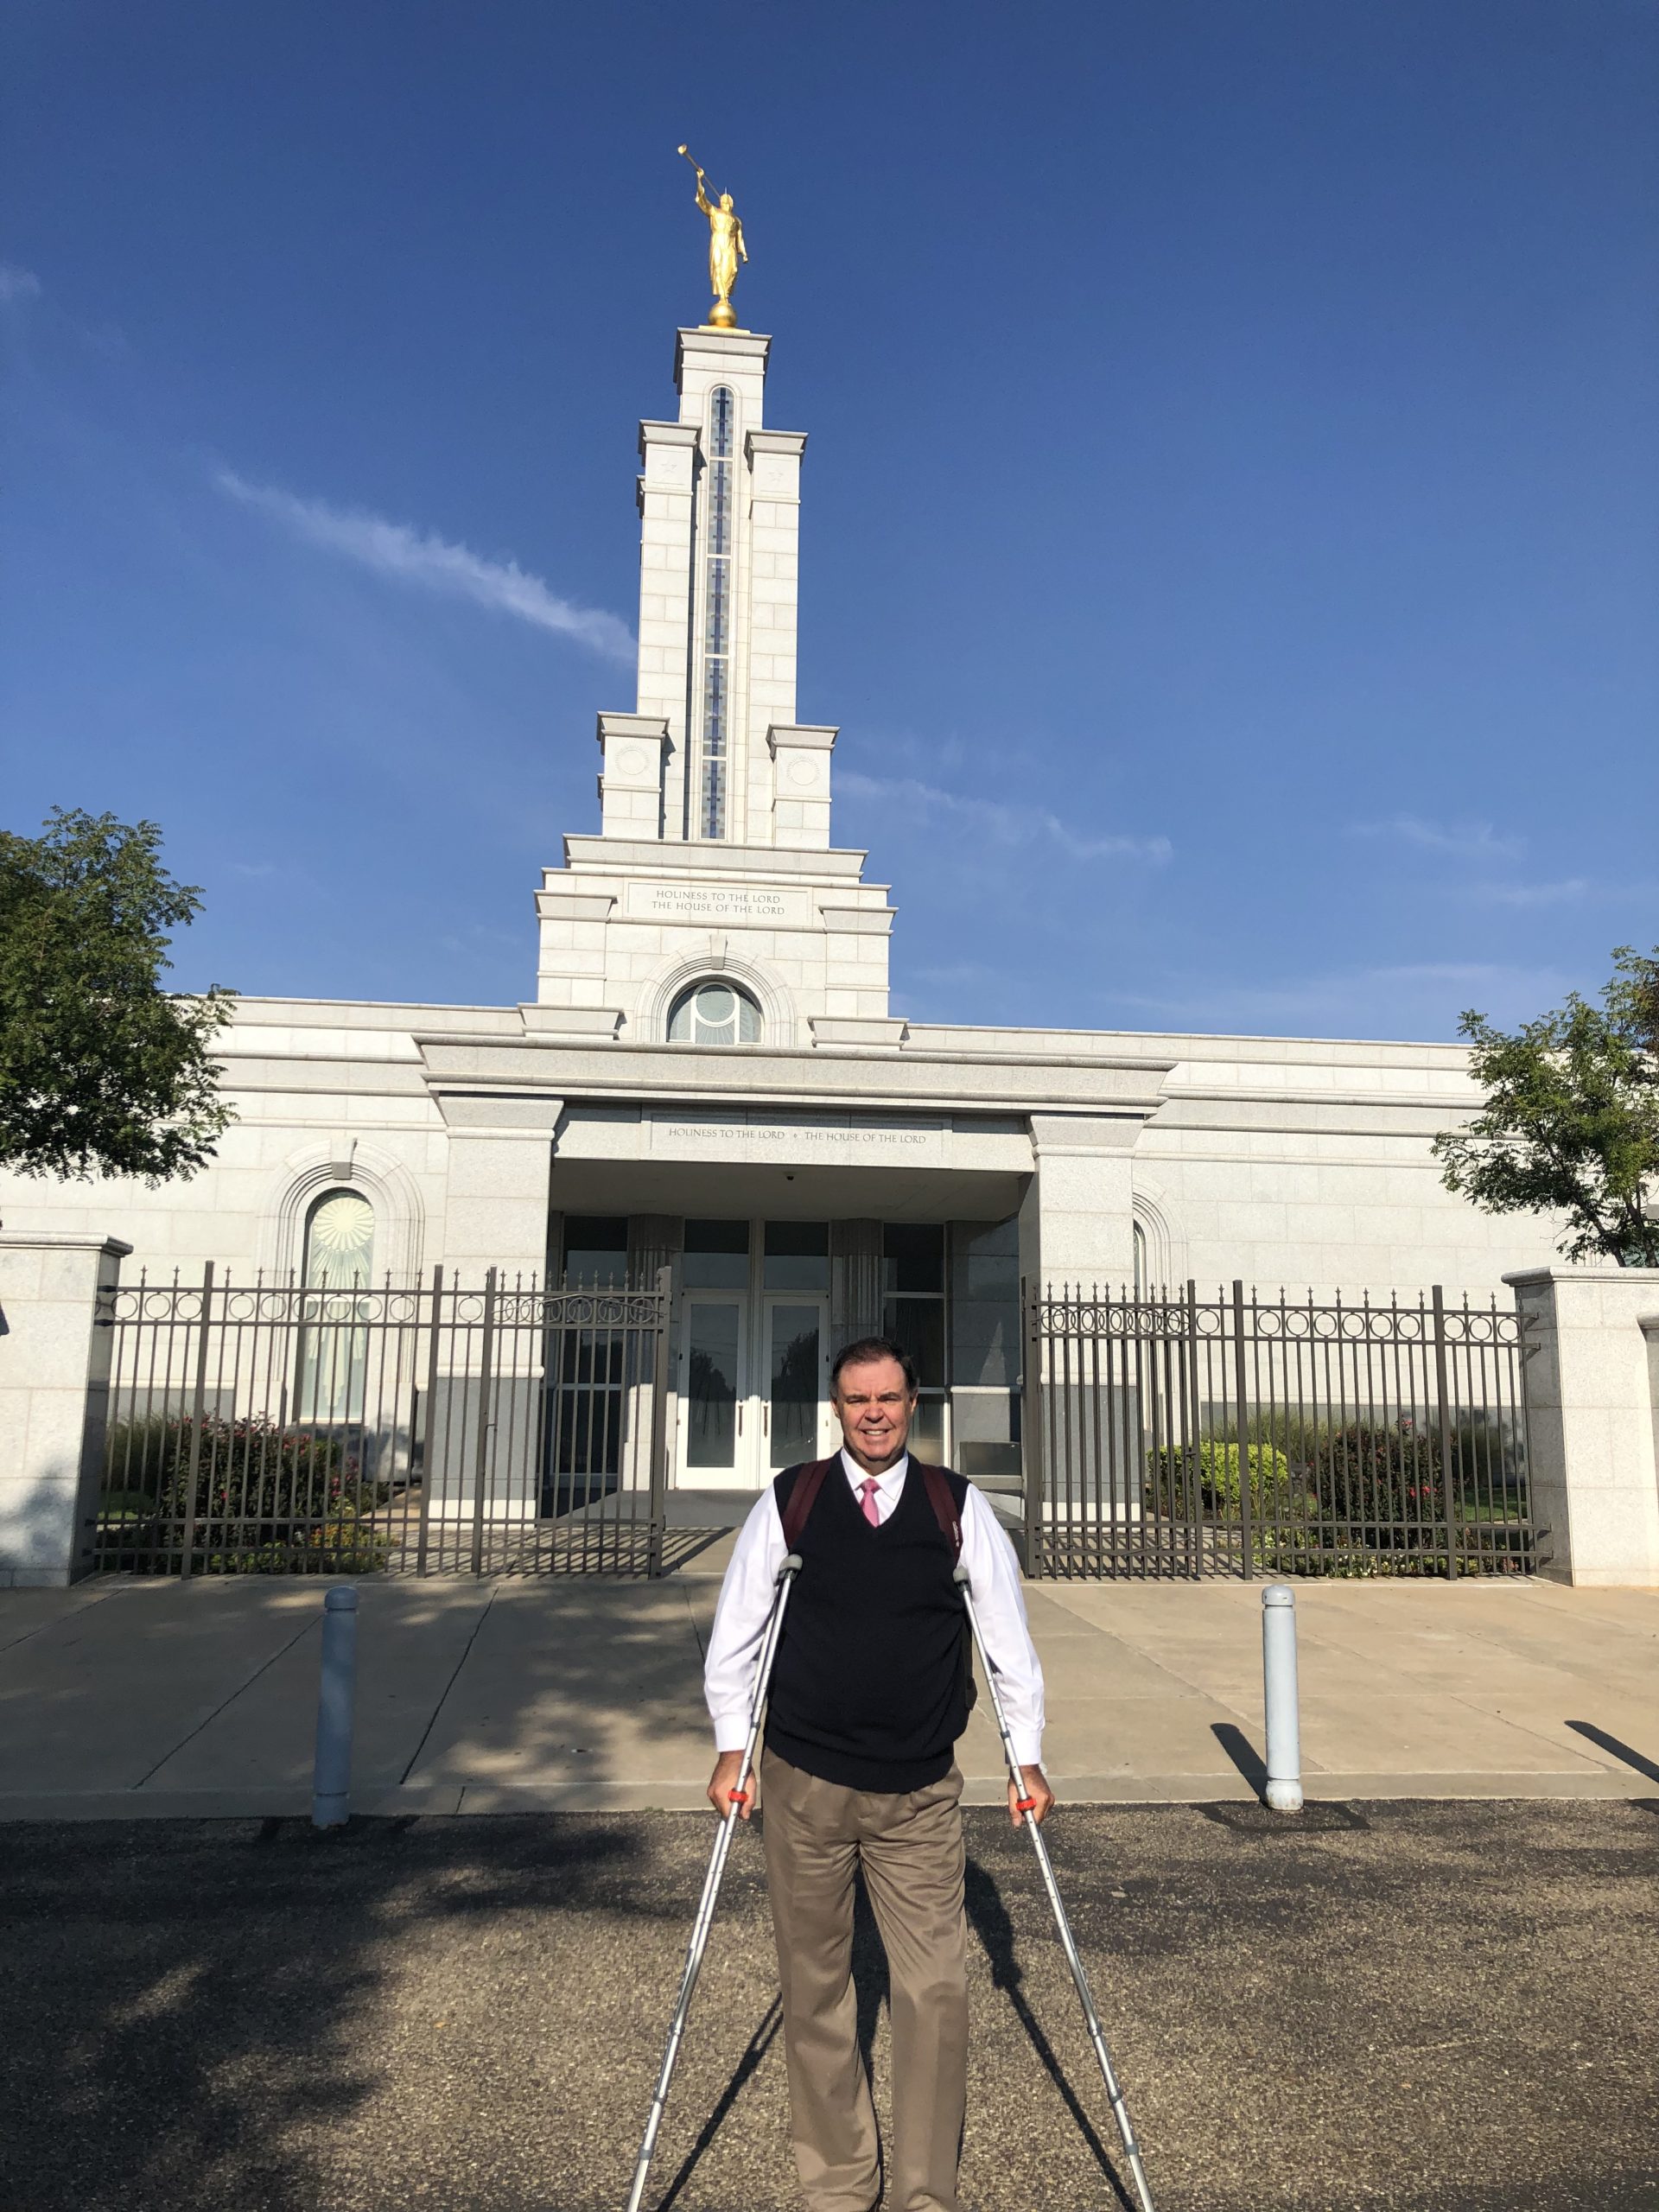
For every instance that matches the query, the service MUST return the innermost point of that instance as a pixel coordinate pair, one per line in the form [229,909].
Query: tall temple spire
[714,860]
[720,511]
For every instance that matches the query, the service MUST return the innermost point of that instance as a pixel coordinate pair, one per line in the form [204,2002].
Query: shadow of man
[871,1986]
[989,1917]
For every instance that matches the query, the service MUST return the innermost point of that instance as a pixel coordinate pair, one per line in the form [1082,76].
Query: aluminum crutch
[705,1919]
[1025,1806]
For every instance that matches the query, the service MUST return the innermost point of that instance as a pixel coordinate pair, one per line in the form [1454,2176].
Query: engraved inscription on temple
[713,902]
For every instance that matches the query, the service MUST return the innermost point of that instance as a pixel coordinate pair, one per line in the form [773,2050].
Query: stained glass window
[333,1344]
[339,1242]
[714,1013]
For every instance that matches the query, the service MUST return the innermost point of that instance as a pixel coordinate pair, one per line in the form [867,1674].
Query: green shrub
[1374,1478]
[1204,1479]
[343,1545]
[267,1498]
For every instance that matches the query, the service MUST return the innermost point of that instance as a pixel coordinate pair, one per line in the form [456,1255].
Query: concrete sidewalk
[121,1698]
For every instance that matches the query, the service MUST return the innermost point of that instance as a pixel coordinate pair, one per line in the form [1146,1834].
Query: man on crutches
[870,1687]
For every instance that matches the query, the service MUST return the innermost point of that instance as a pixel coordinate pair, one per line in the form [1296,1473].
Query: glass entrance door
[796,1379]
[713,1386]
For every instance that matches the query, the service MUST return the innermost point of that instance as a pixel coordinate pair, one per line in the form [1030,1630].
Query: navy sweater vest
[871,1687]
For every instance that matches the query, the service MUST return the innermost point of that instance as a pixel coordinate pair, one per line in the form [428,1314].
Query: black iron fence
[1171,1435]
[424,1429]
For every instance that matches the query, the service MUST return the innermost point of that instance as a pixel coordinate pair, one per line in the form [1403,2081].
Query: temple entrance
[752,1385]
[794,1415]
[763,1301]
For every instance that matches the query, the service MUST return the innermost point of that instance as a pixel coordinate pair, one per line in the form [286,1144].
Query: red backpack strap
[803,1496]
[942,1499]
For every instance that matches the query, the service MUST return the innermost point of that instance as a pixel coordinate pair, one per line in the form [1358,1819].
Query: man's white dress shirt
[746,1598]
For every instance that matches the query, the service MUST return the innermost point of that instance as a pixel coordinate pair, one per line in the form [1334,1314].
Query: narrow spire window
[717,613]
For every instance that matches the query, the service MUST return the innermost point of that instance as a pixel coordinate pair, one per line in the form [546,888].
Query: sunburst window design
[339,1242]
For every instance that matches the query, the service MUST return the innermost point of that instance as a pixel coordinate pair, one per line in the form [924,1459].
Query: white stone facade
[477,1133]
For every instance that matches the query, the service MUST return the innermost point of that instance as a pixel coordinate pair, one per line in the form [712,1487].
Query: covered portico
[785,1241]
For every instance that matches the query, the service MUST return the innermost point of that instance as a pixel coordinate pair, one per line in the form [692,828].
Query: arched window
[333,1344]
[339,1242]
[714,1013]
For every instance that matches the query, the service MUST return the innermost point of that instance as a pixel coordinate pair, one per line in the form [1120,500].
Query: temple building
[709,1077]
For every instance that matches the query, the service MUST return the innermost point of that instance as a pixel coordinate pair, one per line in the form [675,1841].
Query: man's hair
[869,1349]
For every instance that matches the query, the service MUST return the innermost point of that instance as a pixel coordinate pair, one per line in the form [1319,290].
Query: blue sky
[1231,545]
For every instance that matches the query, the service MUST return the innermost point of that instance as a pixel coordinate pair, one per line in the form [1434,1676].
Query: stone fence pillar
[56,1343]
[1592,1419]
[1076,1224]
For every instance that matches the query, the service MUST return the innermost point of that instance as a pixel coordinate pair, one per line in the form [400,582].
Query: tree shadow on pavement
[989,1917]
[191,2018]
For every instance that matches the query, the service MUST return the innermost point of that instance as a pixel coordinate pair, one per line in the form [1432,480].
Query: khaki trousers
[818,1835]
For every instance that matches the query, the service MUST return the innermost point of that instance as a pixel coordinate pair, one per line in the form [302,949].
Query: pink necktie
[866,1490]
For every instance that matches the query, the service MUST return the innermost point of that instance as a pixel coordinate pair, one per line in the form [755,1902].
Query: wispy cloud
[17,284]
[432,564]
[1469,840]
[1000,824]
[1566,891]
[1417,997]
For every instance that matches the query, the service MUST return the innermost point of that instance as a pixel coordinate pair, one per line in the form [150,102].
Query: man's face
[726,201]
[874,1408]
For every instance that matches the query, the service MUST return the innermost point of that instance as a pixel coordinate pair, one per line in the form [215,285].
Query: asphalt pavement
[1437,2007]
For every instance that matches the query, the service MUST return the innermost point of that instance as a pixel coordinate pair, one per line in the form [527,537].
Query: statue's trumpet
[695,165]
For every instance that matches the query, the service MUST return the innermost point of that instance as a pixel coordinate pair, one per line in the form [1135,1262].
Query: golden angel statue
[726,250]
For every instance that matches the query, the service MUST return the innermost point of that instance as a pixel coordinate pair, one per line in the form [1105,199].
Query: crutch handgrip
[791,1565]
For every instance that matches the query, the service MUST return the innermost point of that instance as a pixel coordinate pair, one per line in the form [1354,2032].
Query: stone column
[773,458]
[1077,1231]
[1077,1222]
[655,1240]
[56,1291]
[854,1281]
[1591,1424]
[667,453]
[496,1215]
[633,748]
[800,784]
[496,1204]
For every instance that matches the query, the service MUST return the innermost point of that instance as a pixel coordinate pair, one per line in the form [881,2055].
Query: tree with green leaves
[1571,1122]
[102,1071]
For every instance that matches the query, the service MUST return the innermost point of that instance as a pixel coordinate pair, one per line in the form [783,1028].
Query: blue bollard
[331,1783]
[1279,1684]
